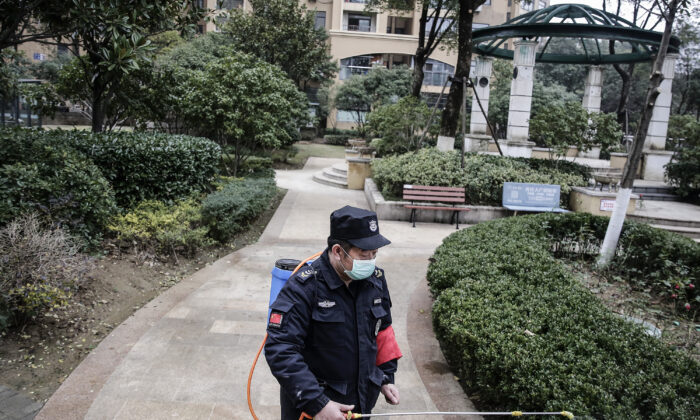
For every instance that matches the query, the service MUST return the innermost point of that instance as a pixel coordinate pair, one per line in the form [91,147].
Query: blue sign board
[531,197]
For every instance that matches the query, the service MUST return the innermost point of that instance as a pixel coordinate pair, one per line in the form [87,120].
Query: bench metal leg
[455,216]
[413,217]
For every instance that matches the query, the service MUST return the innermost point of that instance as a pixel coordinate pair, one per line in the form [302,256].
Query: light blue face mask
[361,269]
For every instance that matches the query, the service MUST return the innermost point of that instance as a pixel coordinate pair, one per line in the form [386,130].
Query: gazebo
[592,37]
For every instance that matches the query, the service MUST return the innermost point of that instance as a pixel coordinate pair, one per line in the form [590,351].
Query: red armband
[387,347]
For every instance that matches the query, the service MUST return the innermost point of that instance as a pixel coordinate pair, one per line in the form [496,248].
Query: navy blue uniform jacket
[321,341]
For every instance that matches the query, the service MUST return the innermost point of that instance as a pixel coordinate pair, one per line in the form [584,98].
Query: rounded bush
[54,180]
[523,332]
[147,166]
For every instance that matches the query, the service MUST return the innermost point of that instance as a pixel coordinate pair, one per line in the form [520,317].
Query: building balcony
[357,28]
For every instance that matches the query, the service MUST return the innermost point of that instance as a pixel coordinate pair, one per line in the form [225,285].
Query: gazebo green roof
[588,31]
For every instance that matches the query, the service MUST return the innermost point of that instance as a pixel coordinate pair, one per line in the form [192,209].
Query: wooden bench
[421,196]
[519,196]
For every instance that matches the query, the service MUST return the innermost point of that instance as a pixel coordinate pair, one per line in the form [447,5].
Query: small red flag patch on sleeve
[275,320]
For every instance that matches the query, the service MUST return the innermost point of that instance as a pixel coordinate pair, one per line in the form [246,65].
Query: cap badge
[373,225]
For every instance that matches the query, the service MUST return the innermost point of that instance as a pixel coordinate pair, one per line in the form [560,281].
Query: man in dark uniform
[330,342]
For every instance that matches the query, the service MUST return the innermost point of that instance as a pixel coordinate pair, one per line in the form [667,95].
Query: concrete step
[654,189]
[691,232]
[657,196]
[697,240]
[321,178]
[331,173]
[341,168]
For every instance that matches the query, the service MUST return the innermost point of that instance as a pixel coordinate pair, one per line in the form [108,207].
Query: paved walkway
[187,353]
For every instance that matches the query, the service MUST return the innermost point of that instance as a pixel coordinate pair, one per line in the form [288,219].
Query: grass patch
[286,160]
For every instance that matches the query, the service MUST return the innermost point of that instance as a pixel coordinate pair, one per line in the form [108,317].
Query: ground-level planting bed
[517,323]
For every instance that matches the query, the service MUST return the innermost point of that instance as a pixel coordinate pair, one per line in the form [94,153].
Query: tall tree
[612,235]
[645,15]
[113,37]
[465,17]
[437,23]
[283,33]
[686,85]
[29,20]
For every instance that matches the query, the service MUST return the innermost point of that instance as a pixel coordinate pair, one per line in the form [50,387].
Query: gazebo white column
[592,91]
[482,73]
[658,127]
[521,90]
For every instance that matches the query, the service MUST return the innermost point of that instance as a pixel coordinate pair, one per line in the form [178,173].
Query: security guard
[328,322]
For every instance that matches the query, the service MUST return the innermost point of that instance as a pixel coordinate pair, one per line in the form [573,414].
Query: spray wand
[566,414]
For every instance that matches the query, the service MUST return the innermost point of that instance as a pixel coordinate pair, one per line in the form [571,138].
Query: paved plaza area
[187,353]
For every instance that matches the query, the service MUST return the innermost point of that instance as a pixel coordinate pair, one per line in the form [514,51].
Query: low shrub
[522,332]
[147,166]
[159,227]
[258,166]
[684,171]
[38,269]
[483,175]
[63,186]
[401,125]
[336,139]
[231,209]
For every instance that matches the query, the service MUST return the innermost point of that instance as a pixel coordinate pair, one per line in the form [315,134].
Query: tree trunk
[98,112]
[418,74]
[612,234]
[626,77]
[450,115]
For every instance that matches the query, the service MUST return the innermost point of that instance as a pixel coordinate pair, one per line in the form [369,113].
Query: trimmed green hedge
[524,334]
[483,175]
[57,182]
[336,139]
[147,166]
[230,210]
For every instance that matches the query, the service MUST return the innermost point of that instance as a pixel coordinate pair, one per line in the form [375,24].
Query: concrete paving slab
[187,354]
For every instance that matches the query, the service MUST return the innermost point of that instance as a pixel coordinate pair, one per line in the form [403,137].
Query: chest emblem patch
[326,304]
[275,320]
[305,274]
[376,329]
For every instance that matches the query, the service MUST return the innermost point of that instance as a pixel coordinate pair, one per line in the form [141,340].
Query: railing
[357,28]
[356,1]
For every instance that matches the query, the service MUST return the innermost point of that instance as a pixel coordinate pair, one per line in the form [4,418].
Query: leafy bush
[231,209]
[401,126]
[147,166]
[54,180]
[336,139]
[561,125]
[38,269]
[684,171]
[483,175]
[522,332]
[163,228]
[257,166]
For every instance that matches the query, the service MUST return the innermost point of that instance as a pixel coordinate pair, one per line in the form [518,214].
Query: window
[431,98]
[510,3]
[542,4]
[360,64]
[360,23]
[200,4]
[432,22]
[435,73]
[320,22]
[229,4]
[526,4]
[507,16]
[349,116]
[200,29]
[62,49]
[398,25]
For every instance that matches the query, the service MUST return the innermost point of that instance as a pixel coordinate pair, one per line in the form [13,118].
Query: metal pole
[493,132]
[566,414]
[464,115]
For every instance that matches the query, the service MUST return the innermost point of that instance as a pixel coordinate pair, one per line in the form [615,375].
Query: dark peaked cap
[357,226]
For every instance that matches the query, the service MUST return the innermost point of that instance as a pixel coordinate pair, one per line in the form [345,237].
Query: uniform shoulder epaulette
[378,273]
[305,274]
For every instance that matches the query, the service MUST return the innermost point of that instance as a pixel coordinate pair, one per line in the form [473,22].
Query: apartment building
[361,39]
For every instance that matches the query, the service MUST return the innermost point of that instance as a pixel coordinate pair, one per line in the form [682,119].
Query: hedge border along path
[524,334]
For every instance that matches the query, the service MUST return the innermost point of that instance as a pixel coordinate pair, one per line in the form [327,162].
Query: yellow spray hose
[351,415]
[262,345]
